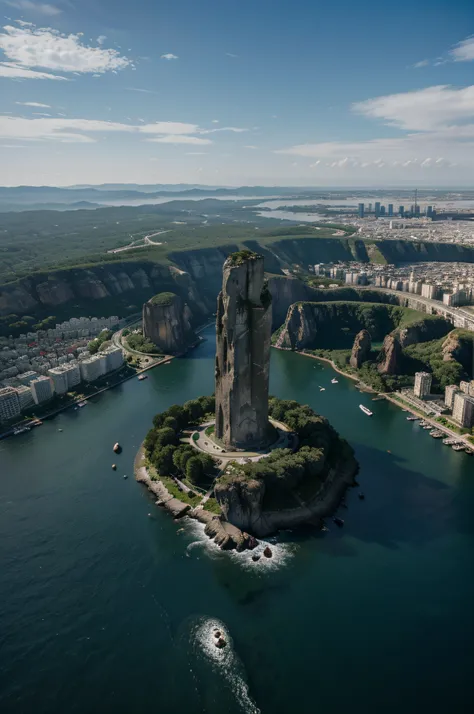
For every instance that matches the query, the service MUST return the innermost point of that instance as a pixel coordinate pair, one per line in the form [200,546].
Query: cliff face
[118,283]
[167,323]
[361,349]
[243,327]
[459,347]
[423,331]
[395,251]
[285,291]
[390,356]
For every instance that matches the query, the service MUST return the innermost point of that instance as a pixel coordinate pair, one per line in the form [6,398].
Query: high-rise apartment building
[463,409]
[422,386]
[42,390]
[390,209]
[25,396]
[377,208]
[361,210]
[449,394]
[114,358]
[9,404]
[401,211]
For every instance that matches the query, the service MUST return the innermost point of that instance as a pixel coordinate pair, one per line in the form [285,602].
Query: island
[244,463]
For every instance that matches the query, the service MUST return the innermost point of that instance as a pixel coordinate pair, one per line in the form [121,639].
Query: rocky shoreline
[230,537]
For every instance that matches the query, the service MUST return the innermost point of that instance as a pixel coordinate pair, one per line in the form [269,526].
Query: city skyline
[282,93]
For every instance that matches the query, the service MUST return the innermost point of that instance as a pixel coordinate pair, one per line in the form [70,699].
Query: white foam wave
[282,552]
[225,660]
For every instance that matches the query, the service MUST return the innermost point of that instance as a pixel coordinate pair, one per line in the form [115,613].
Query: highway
[459,317]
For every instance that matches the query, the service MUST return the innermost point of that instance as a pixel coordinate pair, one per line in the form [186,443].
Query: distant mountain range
[22,198]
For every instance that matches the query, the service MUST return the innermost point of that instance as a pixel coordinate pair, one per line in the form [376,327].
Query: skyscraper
[382,210]
[390,209]
[377,208]
[401,210]
[361,210]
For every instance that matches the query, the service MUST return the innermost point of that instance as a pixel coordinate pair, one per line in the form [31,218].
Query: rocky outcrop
[167,323]
[243,327]
[285,292]
[459,347]
[242,502]
[390,355]
[429,328]
[361,349]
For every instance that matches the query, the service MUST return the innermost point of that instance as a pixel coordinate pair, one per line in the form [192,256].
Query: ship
[20,430]
[334,381]
[365,410]
[141,377]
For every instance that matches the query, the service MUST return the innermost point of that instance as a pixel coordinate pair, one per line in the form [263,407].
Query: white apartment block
[93,367]
[114,358]
[463,409]
[42,390]
[9,404]
[449,394]
[25,396]
[422,386]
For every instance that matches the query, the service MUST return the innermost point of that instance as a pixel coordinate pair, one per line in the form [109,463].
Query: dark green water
[105,609]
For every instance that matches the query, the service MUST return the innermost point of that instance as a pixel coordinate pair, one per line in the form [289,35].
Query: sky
[227,92]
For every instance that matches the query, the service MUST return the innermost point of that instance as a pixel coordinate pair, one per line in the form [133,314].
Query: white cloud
[169,56]
[421,110]
[180,139]
[250,146]
[79,130]
[463,51]
[195,153]
[215,121]
[34,104]
[169,127]
[101,39]
[12,71]
[421,63]
[234,129]
[51,50]
[139,89]
[39,7]
[230,54]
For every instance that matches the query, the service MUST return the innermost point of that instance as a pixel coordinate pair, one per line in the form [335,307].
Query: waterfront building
[422,386]
[27,377]
[25,396]
[65,377]
[114,358]
[93,367]
[449,393]
[9,404]
[361,210]
[465,387]
[42,390]
[463,409]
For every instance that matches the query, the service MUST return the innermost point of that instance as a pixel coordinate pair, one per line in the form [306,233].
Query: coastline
[405,406]
[49,415]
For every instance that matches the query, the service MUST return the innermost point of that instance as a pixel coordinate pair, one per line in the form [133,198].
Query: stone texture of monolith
[360,349]
[244,319]
[166,322]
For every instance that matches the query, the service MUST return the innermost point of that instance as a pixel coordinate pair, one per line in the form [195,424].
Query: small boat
[468,451]
[361,496]
[412,418]
[458,447]
[59,429]
[117,448]
[114,467]
[141,377]
[338,521]
[322,389]
[82,404]
[334,381]
[125,476]
[365,410]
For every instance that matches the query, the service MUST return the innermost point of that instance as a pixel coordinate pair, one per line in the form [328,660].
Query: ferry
[365,410]
[334,381]
[141,377]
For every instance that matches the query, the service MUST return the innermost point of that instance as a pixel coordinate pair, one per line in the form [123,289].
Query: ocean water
[108,605]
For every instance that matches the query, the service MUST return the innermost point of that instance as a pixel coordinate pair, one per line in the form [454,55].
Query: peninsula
[245,464]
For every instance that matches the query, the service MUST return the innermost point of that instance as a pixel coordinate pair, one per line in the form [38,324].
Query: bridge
[457,315]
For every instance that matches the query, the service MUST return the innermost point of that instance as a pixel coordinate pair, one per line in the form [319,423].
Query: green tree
[194,470]
[165,436]
[171,422]
[194,410]
[163,460]
[207,463]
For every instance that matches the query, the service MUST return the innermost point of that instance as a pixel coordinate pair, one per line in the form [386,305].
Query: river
[105,608]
